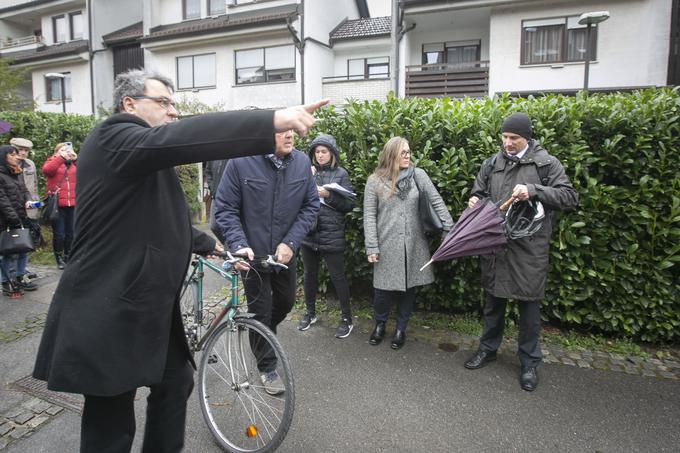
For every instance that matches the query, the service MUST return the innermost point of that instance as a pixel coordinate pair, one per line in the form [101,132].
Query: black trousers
[335,262]
[108,422]
[382,300]
[271,296]
[529,350]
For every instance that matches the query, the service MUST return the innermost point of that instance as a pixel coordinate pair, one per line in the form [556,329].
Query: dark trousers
[335,262]
[108,423]
[404,300]
[62,231]
[529,350]
[271,296]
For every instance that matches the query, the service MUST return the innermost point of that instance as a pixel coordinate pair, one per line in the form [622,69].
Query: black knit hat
[518,123]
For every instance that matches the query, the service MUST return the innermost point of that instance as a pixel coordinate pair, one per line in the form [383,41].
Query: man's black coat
[108,327]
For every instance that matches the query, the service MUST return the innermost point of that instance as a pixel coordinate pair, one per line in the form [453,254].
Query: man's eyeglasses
[165,103]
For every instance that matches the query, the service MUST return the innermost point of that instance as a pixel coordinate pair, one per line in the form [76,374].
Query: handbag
[50,211]
[15,241]
[428,216]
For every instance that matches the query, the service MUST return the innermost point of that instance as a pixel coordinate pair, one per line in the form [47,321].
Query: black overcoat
[108,327]
[519,270]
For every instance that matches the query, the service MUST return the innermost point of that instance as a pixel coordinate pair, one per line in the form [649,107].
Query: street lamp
[588,19]
[57,75]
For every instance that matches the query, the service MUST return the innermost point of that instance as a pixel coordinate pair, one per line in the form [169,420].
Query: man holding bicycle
[114,323]
[266,205]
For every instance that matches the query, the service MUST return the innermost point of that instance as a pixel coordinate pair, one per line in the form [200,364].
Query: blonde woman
[60,175]
[395,241]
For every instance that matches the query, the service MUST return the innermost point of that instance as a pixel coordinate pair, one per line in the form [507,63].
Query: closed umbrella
[478,231]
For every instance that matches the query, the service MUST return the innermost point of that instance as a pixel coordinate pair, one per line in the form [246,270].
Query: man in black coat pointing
[114,323]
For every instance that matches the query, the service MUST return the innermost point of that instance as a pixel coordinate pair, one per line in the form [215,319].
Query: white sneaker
[272,383]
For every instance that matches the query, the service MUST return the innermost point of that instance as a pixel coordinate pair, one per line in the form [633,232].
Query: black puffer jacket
[328,235]
[13,195]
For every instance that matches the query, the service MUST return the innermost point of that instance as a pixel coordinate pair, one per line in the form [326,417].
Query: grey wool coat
[519,270]
[393,230]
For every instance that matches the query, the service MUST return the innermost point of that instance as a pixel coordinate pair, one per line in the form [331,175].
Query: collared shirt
[278,162]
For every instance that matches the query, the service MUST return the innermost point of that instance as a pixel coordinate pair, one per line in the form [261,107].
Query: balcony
[340,88]
[21,43]
[452,80]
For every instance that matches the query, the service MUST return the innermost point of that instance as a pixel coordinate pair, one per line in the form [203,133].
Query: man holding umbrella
[518,271]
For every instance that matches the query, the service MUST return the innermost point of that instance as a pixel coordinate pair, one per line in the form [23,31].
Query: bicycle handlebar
[266,261]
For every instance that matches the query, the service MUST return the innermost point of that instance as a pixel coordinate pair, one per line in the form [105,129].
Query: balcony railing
[453,80]
[8,43]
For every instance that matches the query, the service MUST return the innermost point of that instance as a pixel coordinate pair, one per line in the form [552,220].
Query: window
[191,9]
[217,7]
[454,52]
[556,40]
[196,71]
[53,89]
[368,68]
[76,22]
[59,28]
[270,64]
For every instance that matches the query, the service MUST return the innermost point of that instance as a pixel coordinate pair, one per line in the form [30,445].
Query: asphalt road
[352,396]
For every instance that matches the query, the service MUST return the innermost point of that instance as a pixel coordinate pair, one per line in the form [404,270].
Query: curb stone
[23,419]
[598,360]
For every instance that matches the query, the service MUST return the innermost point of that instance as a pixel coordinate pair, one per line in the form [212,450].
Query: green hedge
[614,259]
[45,130]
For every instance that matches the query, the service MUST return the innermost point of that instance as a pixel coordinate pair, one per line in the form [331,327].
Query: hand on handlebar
[283,253]
[243,265]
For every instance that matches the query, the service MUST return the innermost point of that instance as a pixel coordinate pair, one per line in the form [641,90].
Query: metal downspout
[90,52]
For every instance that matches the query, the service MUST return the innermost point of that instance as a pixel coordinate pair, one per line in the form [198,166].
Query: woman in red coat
[60,173]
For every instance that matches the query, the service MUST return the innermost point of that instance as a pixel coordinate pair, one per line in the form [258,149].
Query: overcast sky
[379,8]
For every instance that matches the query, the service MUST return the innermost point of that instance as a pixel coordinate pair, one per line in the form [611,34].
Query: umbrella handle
[507,204]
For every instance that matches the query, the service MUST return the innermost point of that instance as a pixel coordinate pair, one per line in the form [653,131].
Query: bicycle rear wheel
[241,413]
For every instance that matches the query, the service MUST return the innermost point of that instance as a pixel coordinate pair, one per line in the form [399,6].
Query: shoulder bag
[428,216]
[50,211]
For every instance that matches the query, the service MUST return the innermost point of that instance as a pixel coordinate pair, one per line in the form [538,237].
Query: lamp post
[588,19]
[57,75]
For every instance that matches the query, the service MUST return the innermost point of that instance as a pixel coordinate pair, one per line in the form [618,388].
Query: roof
[225,22]
[47,52]
[362,28]
[124,35]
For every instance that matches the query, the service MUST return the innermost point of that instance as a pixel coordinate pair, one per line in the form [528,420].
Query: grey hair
[132,83]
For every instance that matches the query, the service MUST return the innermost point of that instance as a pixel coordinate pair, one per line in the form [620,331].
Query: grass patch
[470,324]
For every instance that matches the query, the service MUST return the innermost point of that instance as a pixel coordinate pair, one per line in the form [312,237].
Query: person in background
[14,199]
[60,173]
[326,240]
[396,244]
[212,174]
[30,175]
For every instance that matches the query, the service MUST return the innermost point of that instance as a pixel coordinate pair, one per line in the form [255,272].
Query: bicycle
[243,409]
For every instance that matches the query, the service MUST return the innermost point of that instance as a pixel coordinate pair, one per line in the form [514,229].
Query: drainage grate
[37,388]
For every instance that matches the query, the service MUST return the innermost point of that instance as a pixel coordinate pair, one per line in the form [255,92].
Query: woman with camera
[60,174]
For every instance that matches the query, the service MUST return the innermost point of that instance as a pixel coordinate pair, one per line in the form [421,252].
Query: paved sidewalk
[352,396]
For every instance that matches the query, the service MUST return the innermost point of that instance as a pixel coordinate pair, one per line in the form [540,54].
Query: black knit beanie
[518,123]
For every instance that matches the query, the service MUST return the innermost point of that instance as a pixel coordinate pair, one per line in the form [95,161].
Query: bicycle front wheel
[246,388]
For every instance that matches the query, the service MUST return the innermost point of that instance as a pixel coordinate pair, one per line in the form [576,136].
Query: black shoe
[25,285]
[11,290]
[30,274]
[61,264]
[398,339]
[378,333]
[528,379]
[480,359]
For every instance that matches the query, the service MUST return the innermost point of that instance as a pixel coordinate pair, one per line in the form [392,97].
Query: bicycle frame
[230,308]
